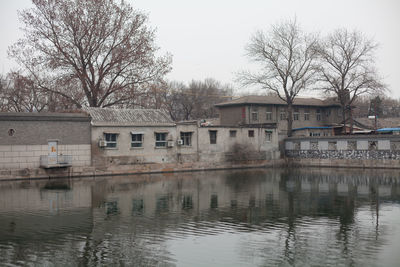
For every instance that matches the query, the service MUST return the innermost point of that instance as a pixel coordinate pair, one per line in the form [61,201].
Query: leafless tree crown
[347,68]
[287,59]
[95,53]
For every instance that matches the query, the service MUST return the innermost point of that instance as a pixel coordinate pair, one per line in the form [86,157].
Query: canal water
[264,217]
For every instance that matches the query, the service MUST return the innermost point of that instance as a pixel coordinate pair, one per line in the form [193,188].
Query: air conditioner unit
[180,142]
[102,143]
[170,144]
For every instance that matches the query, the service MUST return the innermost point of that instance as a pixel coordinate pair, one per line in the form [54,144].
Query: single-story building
[144,136]
[33,140]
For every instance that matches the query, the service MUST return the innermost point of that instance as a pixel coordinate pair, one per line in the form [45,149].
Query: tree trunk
[344,118]
[351,120]
[289,119]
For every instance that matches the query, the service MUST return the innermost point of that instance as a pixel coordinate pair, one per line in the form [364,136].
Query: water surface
[327,217]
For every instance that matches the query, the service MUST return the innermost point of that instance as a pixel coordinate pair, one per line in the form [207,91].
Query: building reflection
[146,210]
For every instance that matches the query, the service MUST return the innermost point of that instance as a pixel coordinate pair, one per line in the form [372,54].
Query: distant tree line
[381,106]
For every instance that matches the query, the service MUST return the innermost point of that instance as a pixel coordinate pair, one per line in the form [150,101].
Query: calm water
[226,218]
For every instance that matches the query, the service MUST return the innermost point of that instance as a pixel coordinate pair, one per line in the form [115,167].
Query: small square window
[186,138]
[111,140]
[268,114]
[251,133]
[161,139]
[254,116]
[213,137]
[283,114]
[296,114]
[136,140]
[232,133]
[307,114]
[318,114]
[268,136]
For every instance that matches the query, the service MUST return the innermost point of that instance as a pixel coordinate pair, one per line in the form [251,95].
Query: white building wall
[199,150]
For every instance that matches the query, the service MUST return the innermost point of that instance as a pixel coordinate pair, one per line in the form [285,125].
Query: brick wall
[28,156]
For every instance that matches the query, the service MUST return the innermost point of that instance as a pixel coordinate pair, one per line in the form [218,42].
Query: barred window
[136,140]
[161,139]
[111,140]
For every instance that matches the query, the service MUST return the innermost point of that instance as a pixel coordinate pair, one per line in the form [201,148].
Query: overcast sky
[207,38]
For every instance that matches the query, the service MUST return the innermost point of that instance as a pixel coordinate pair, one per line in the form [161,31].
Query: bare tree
[347,68]
[19,94]
[287,60]
[102,46]
[197,99]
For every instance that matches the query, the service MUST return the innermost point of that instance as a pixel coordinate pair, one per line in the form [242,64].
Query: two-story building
[313,115]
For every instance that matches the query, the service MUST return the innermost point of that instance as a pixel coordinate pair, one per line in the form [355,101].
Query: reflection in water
[225,218]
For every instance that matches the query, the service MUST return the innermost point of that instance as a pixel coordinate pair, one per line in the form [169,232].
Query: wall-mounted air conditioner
[102,143]
[170,144]
[180,142]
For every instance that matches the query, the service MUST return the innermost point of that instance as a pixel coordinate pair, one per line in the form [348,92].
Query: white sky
[207,38]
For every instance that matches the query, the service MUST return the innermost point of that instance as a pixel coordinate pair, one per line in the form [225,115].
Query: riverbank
[344,163]
[91,171]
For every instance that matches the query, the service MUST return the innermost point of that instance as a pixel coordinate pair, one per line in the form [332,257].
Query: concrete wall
[24,138]
[229,145]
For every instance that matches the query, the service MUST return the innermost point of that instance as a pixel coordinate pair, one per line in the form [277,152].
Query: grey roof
[274,100]
[44,116]
[129,117]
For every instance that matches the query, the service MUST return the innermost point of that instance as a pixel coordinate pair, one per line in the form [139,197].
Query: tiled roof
[129,117]
[274,100]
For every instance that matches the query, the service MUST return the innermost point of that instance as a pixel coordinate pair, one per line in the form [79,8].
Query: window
[296,114]
[307,114]
[315,134]
[318,114]
[283,114]
[213,137]
[186,137]
[161,139]
[254,113]
[268,136]
[111,140]
[328,113]
[268,114]
[137,140]
[232,133]
[251,133]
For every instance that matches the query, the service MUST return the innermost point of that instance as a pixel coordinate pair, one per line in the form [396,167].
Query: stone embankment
[38,173]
